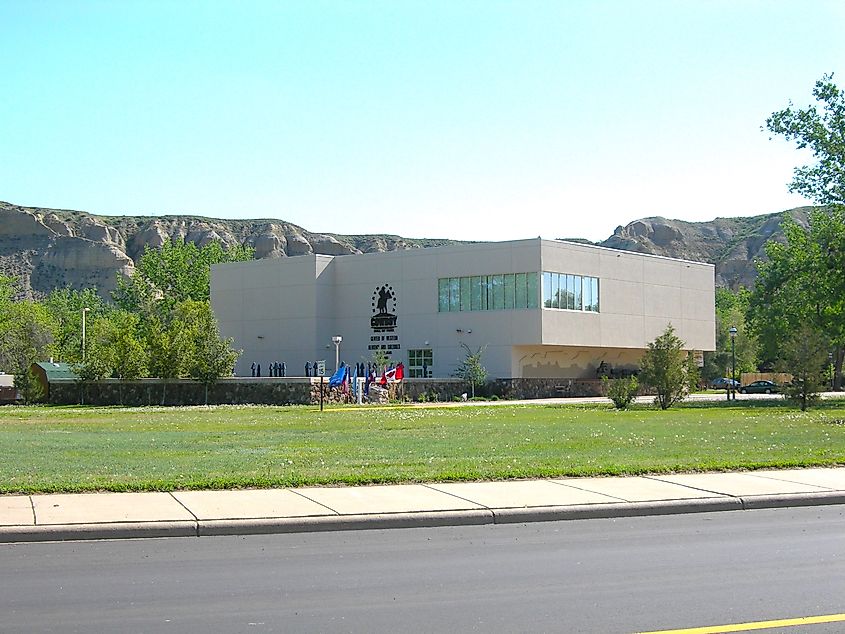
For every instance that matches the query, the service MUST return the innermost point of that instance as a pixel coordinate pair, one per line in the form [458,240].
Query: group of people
[275,368]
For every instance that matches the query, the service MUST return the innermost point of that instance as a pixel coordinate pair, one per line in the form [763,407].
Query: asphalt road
[623,575]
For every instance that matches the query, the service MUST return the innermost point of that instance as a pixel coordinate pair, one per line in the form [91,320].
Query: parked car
[759,387]
[723,383]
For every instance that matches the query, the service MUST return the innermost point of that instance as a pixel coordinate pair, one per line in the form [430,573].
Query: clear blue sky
[469,120]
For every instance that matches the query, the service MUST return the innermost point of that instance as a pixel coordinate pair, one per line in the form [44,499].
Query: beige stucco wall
[288,309]
[639,296]
[570,362]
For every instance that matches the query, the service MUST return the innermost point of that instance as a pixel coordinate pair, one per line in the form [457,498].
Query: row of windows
[488,292]
[570,292]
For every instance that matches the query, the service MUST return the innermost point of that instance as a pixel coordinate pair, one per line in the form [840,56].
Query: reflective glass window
[579,281]
[454,294]
[520,293]
[475,299]
[532,281]
[509,290]
[498,292]
[547,289]
[443,295]
[465,293]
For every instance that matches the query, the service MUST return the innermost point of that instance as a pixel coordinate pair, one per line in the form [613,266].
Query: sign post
[321,372]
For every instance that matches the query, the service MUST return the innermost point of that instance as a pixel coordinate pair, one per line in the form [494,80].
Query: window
[566,291]
[443,295]
[509,291]
[475,293]
[454,293]
[419,363]
[594,289]
[498,292]
[503,291]
[521,291]
[465,293]
[532,291]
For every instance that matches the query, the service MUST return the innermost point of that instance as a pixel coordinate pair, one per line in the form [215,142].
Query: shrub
[620,391]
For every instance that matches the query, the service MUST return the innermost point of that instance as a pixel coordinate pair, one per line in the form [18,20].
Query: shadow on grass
[739,405]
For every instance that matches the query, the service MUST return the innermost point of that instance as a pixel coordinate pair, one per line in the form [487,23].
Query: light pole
[336,341]
[85,311]
[733,359]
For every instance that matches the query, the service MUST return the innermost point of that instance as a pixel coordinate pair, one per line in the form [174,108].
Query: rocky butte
[50,248]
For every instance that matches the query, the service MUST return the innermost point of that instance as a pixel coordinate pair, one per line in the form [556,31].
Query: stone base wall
[300,391]
[544,388]
[147,392]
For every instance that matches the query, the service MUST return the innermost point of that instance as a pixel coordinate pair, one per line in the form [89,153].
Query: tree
[731,312]
[803,282]
[169,347]
[211,357]
[65,307]
[823,133]
[804,355]
[470,369]
[25,337]
[176,272]
[664,368]
[114,347]
[820,128]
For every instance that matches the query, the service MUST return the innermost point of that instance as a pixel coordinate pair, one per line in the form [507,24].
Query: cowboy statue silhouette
[383,320]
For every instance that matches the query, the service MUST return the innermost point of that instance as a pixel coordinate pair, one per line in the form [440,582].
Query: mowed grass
[50,449]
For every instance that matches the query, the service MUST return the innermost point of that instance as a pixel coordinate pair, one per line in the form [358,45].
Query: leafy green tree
[176,272]
[211,357]
[114,347]
[803,282]
[664,368]
[130,354]
[819,128]
[65,307]
[471,369]
[804,355]
[731,312]
[25,337]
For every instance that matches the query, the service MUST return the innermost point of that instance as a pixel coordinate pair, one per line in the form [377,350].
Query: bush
[665,368]
[620,391]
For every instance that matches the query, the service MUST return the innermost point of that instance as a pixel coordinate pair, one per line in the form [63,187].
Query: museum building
[539,308]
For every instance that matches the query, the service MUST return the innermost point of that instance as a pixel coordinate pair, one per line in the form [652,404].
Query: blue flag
[337,378]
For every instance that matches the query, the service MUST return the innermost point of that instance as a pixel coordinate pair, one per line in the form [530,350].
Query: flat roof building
[542,308]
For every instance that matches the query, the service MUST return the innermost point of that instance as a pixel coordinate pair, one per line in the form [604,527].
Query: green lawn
[48,449]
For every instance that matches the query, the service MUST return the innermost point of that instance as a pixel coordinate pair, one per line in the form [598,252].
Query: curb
[821,498]
[426,519]
[117,530]
[614,509]
[325,523]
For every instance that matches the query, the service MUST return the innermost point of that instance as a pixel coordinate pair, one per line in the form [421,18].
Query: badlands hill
[49,248]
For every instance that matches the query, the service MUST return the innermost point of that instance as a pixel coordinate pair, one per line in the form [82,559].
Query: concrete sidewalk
[241,512]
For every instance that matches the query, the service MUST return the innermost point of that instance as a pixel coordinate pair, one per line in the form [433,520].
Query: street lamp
[733,359]
[85,311]
[336,341]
